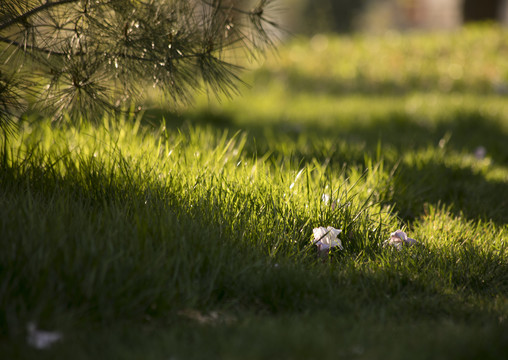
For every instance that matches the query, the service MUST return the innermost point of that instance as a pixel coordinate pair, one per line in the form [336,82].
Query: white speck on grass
[326,200]
[296,179]
[480,152]
[41,339]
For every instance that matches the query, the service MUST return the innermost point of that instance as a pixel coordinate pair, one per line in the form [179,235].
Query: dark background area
[316,16]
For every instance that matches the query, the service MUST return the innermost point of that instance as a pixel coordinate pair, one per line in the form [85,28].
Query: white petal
[410,241]
[394,241]
[319,232]
[333,231]
[326,238]
[398,239]
[322,246]
[399,234]
[42,339]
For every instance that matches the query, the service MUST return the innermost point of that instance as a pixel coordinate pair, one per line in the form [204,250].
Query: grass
[188,236]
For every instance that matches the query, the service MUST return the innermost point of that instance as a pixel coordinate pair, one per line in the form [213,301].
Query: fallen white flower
[326,238]
[40,339]
[398,239]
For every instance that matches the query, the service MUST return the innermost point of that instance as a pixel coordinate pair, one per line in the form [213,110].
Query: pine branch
[91,56]
[220,7]
[31,47]
[47,5]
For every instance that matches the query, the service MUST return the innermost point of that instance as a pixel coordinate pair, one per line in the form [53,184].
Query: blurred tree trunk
[480,10]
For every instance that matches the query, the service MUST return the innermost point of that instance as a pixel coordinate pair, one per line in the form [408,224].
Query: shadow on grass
[467,193]
[462,131]
[91,252]
[298,83]
[106,253]
[431,178]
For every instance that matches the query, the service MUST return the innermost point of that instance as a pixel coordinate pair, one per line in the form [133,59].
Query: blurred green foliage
[468,60]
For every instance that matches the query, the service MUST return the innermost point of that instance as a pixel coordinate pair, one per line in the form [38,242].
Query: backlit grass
[188,235]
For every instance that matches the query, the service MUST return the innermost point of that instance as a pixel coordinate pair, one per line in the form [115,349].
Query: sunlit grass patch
[115,191]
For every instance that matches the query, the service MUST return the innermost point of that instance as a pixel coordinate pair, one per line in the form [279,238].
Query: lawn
[187,234]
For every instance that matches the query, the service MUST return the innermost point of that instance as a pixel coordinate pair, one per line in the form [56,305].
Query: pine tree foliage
[87,56]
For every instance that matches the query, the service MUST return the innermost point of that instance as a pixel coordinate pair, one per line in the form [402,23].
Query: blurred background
[318,16]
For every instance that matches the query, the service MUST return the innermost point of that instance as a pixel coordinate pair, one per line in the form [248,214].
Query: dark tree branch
[31,47]
[233,8]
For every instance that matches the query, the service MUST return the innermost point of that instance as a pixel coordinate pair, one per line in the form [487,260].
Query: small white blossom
[40,339]
[398,239]
[326,238]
